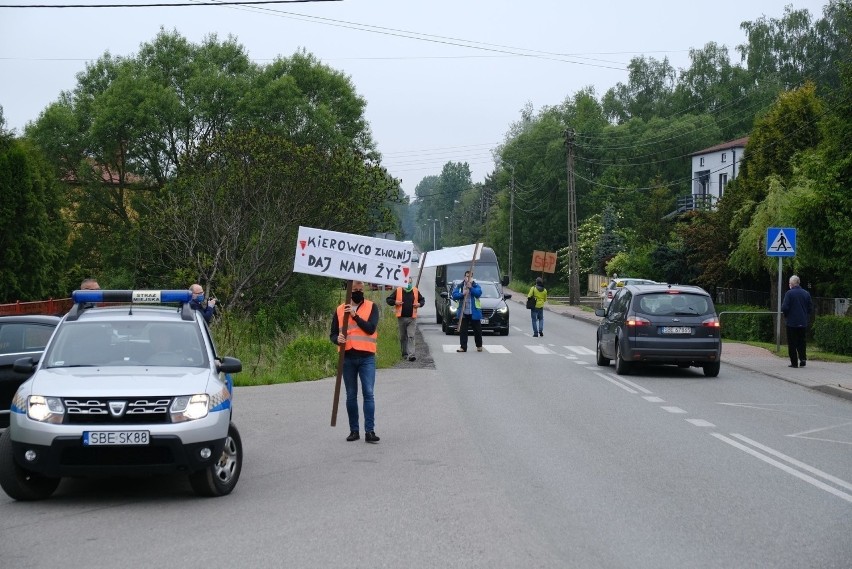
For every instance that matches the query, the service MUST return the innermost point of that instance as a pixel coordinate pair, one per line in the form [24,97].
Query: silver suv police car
[129,384]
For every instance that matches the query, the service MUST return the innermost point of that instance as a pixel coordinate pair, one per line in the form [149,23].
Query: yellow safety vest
[398,307]
[356,338]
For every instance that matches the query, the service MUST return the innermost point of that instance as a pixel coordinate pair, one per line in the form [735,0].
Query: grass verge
[814,353]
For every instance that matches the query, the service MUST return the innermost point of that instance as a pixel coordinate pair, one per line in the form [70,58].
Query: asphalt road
[524,455]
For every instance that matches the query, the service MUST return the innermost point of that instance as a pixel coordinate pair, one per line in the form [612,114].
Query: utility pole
[573,257]
[511,221]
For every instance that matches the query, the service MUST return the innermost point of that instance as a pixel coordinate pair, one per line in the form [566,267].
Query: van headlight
[45,409]
[190,407]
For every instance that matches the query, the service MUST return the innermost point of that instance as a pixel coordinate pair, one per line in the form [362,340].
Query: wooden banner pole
[342,352]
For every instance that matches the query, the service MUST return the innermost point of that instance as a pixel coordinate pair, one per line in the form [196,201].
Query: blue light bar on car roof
[132,296]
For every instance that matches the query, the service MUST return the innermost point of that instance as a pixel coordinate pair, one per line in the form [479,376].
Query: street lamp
[434,237]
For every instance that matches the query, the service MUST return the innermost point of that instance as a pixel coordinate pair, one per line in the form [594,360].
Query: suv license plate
[117,438]
[484,321]
[676,330]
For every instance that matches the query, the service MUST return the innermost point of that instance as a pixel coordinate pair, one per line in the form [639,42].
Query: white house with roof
[713,168]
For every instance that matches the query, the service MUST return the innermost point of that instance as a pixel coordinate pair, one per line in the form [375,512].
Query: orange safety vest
[357,339]
[398,307]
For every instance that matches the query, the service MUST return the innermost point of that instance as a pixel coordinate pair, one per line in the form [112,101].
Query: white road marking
[635,385]
[495,349]
[582,350]
[809,479]
[794,462]
[672,409]
[653,399]
[619,384]
[803,433]
[541,350]
[700,423]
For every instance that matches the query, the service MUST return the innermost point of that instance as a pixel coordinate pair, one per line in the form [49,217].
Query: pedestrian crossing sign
[781,242]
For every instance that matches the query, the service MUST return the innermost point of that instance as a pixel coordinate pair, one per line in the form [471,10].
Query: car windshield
[80,344]
[483,272]
[670,304]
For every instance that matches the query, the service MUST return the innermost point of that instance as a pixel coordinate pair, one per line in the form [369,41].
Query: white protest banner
[352,257]
[450,255]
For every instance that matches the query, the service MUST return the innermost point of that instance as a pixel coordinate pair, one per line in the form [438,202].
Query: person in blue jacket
[797,308]
[467,293]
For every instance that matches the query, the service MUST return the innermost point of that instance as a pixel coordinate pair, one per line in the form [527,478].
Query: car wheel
[438,317]
[621,367]
[449,328]
[19,483]
[504,332]
[602,361]
[221,477]
[712,370]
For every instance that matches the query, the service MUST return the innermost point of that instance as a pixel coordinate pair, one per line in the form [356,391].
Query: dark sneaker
[792,365]
[370,437]
[802,363]
[461,350]
[541,334]
[412,358]
[479,349]
[535,335]
[353,436]
[405,356]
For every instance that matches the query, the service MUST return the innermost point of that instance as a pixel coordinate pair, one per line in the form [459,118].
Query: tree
[33,233]
[232,215]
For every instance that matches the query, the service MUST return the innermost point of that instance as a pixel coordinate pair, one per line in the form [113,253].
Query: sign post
[780,242]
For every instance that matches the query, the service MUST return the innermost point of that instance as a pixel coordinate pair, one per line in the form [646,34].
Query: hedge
[749,327]
[834,334]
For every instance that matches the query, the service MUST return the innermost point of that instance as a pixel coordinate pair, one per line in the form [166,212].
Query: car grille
[97,411]
[488,312]
[116,456]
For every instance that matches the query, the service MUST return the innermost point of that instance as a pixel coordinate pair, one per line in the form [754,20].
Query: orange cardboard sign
[543,261]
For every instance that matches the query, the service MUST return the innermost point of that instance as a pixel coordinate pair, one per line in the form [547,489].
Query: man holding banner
[359,342]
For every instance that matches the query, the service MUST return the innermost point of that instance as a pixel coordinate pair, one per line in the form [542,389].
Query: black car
[660,324]
[20,337]
[495,311]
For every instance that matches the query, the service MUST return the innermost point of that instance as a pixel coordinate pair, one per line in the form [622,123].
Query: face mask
[199,298]
[357,296]
[409,287]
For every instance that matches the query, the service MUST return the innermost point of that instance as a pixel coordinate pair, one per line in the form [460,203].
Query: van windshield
[483,272]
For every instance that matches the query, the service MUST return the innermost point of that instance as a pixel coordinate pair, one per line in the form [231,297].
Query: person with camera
[208,308]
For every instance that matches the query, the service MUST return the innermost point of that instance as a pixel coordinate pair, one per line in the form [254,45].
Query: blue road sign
[781,242]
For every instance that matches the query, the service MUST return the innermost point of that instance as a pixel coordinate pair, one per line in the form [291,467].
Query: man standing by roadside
[207,309]
[797,308]
[406,301]
[470,313]
[359,341]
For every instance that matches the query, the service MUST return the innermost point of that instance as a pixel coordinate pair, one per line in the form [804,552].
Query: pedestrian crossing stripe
[535,348]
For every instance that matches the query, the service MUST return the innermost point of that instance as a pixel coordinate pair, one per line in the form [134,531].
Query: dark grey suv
[660,324]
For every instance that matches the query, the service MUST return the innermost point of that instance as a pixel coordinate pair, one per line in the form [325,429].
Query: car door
[613,320]
[18,340]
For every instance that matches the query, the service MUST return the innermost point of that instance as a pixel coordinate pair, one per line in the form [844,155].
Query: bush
[834,334]
[747,327]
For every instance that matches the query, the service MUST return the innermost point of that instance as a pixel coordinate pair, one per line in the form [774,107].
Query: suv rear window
[668,304]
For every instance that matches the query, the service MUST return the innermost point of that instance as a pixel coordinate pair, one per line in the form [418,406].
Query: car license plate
[676,330]
[484,321]
[117,438]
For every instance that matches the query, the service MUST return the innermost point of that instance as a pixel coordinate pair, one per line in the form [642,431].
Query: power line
[163,4]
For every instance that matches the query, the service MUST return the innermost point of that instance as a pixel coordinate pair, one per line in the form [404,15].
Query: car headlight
[45,409]
[190,407]
[453,308]
[503,309]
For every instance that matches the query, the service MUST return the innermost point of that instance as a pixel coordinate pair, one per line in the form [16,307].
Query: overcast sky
[431,96]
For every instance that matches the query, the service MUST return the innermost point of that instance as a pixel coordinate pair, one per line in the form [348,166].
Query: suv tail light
[712,323]
[636,321]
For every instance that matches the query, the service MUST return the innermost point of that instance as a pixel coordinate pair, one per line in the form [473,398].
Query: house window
[723,181]
[724,157]
[701,161]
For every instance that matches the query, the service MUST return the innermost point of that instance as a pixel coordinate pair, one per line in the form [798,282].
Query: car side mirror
[25,365]
[600,312]
[230,365]
[507,296]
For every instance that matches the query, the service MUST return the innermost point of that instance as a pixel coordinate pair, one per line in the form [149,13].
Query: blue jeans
[365,367]
[537,315]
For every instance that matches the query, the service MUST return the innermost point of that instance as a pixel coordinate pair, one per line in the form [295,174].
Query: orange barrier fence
[51,306]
